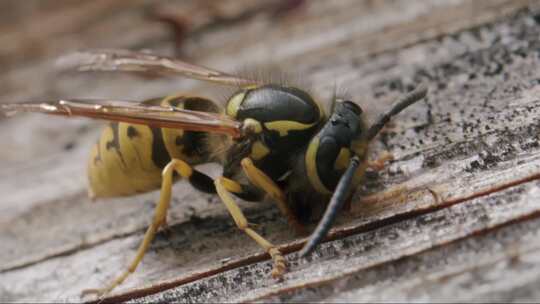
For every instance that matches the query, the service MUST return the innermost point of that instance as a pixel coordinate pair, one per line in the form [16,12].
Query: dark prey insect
[271,139]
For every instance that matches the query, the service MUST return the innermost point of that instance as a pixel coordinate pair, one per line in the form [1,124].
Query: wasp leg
[224,187]
[160,216]
[261,180]
[378,164]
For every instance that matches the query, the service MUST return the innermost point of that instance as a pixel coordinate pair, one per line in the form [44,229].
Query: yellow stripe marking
[284,126]
[234,103]
[253,125]
[258,150]
[342,160]
[311,167]
[166,102]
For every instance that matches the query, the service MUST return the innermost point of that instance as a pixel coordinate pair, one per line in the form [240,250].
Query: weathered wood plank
[465,270]
[353,255]
[478,130]
[462,162]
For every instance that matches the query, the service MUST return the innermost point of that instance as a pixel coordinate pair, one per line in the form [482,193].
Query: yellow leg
[261,180]
[160,219]
[224,187]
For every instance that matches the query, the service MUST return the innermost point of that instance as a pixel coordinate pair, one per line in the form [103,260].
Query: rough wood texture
[474,141]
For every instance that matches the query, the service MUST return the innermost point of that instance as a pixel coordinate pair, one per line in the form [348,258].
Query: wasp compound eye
[353,107]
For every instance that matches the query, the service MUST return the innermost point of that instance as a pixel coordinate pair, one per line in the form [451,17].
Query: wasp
[271,139]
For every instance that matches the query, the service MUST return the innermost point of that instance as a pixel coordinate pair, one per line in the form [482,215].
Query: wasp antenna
[408,99]
[339,197]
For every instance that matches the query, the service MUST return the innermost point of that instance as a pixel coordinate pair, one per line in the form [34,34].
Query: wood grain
[474,142]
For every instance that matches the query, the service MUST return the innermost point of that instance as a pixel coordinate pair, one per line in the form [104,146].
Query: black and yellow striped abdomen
[129,158]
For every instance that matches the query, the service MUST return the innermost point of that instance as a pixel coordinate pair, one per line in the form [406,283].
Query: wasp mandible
[271,139]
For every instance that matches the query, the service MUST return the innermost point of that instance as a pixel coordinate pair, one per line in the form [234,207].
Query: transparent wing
[130,61]
[125,111]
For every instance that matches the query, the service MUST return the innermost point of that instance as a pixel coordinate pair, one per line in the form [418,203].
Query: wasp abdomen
[129,158]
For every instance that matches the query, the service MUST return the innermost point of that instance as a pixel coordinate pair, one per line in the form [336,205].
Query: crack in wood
[438,270]
[335,234]
[472,166]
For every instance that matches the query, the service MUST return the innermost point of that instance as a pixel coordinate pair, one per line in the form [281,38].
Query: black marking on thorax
[273,103]
[192,143]
[160,155]
[234,156]
[274,165]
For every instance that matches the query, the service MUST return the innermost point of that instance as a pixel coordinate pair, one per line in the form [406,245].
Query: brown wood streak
[66,252]
[533,215]
[338,233]
[335,234]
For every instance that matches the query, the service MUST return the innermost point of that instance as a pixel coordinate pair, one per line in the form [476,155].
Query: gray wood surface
[474,141]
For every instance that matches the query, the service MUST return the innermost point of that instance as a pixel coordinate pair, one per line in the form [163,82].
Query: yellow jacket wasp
[271,139]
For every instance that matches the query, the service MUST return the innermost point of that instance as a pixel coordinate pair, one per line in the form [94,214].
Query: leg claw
[280,264]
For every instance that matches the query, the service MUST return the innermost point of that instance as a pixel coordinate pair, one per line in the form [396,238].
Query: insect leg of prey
[160,216]
[224,187]
[261,180]
[378,164]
